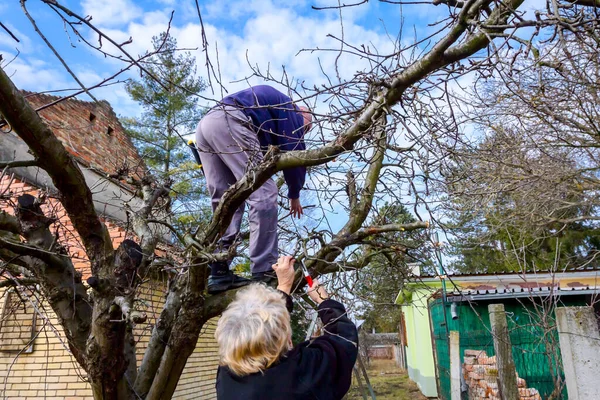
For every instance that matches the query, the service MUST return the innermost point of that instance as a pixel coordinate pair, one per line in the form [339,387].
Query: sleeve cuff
[328,303]
[289,302]
[293,194]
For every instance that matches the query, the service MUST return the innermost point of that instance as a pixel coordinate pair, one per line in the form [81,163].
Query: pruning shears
[307,276]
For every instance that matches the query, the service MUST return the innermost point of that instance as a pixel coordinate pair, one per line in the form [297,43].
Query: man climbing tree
[231,139]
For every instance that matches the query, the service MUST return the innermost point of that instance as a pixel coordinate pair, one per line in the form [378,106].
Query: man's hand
[296,208]
[285,273]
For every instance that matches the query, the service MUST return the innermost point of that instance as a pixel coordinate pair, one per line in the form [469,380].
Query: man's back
[270,110]
[277,122]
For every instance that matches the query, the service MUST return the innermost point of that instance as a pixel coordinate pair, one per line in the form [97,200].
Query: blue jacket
[277,122]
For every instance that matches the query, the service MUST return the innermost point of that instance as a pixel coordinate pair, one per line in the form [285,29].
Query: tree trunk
[158,341]
[182,343]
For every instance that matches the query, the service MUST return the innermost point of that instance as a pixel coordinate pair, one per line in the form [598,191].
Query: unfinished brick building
[35,361]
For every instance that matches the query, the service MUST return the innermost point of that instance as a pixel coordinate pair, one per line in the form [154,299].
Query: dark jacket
[278,122]
[319,369]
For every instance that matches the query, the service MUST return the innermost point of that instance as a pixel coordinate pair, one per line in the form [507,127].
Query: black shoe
[222,283]
[268,277]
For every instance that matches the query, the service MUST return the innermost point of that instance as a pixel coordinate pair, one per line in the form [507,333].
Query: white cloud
[36,75]
[6,41]
[111,12]
[274,38]
[269,33]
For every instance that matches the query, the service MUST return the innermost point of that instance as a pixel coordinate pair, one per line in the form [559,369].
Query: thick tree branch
[23,249]
[361,211]
[56,161]
[18,282]
[215,305]
[159,339]
[55,273]
[110,347]
[140,219]
[9,223]
[183,338]
[351,190]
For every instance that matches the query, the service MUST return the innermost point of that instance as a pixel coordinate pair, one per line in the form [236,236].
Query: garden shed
[529,300]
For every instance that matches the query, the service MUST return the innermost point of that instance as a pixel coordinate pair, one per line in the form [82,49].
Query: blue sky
[270,32]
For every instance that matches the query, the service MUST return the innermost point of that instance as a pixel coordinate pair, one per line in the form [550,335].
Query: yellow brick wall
[198,378]
[16,323]
[50,371]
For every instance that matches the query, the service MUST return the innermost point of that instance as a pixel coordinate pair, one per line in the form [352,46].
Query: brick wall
[481,375]
[90,131]
[63,226]
[49,370]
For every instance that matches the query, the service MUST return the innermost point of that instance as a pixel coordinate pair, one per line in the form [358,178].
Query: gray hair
[254,331]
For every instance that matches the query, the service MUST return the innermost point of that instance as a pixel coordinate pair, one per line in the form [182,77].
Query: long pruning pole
[442,275]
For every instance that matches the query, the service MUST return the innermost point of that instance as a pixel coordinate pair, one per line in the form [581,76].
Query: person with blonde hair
[257,359]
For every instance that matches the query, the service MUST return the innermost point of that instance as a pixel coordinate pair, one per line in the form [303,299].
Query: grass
[389,383]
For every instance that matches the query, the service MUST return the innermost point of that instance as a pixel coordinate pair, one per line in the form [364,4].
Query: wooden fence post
[455,365]
[362,368]
[507,373]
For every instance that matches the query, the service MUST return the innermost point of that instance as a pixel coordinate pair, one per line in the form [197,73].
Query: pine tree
[386,274]
[170,114]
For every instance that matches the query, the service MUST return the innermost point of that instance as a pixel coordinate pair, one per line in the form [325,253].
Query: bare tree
[529,177]
[359,133]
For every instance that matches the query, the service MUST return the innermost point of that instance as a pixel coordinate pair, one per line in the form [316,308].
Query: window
[17,322]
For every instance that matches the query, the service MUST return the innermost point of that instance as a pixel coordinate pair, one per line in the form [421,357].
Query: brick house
[34,359]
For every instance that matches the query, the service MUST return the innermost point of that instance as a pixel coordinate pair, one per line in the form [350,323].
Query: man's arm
[289,137]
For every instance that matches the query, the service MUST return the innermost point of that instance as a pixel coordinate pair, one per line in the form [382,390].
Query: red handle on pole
[307,276]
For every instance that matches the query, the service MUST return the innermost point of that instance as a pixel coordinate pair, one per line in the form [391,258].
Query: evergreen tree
[170,114]
[505,233]
[380,282]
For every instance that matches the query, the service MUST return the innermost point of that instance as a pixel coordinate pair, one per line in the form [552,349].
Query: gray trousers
[228,148]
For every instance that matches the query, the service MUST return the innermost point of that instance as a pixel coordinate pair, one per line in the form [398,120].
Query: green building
[529,300]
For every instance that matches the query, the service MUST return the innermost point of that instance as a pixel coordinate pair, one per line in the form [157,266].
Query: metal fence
[533,337]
